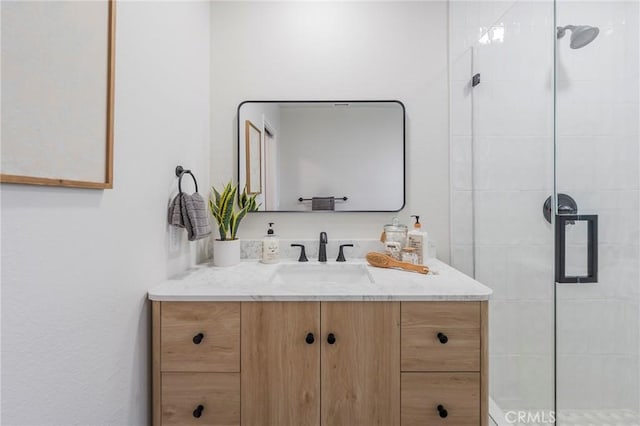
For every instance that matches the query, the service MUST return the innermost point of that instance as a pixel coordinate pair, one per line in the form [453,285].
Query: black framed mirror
[323,156]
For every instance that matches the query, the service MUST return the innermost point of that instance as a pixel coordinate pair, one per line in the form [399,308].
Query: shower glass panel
[502,173]
[545,163]
[597,164]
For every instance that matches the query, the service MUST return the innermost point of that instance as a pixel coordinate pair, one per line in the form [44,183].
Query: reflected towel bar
[300,200]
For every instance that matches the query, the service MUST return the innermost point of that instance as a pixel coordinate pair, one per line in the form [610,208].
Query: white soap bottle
[419,240]
[270,247]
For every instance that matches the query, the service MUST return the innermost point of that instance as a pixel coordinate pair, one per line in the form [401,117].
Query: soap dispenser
[419,240]
[270,246]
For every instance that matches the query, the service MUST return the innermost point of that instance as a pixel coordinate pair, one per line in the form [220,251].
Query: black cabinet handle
[442,411]
[198,338]
[331,338]
[310,339]
[443,338]
[198,411]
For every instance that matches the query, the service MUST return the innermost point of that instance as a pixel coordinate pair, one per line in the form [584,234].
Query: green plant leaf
[221,205]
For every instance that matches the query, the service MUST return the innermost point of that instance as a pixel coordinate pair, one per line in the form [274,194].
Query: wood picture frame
[253,152]
[50,142]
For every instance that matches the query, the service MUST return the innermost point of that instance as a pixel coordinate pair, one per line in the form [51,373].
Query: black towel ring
[180,172]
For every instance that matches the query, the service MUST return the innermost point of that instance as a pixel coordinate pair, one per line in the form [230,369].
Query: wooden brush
[383,261]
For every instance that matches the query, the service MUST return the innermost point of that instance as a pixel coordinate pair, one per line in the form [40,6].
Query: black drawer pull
[198,338]
[198,411]
[331,338]
[443,338]
[442,411]
[310,339]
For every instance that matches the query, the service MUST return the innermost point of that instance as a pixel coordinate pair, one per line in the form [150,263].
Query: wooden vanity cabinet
[360,364]
[196,363]
[320,363]
[444,366]
[281,363]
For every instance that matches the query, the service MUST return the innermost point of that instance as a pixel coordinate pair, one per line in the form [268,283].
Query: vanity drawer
[440,336]
[201,399]
[201,337]
[422,394]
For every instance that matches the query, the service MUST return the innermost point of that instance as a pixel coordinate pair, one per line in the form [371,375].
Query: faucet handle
[341,252]
[303,254]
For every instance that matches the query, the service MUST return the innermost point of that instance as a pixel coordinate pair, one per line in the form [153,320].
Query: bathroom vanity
[345,344]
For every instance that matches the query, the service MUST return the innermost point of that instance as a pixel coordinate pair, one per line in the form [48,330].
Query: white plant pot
[226,253]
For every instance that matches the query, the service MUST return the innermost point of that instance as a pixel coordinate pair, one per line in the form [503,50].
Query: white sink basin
[322,273]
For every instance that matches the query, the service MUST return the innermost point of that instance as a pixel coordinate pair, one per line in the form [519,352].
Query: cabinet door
[280,367]
[360,364]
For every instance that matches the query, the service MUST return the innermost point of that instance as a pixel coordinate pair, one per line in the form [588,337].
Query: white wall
[338,50]
[358,155]
[76,264]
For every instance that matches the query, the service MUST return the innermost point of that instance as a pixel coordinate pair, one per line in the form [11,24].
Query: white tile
[618,277]
[462,259]
[530,325]
[461,62]
[583,118]
[522,382]
[591,163]
[530,272]
[592,382]
[514,109]
[597,327]
[461,106]
[511,218]
[513,163]
[462,218]
[461,162]
[499,326]
[492,269]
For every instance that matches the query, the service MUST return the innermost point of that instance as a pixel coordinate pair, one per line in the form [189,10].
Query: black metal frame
[592,248]
[180,172]
[329,101]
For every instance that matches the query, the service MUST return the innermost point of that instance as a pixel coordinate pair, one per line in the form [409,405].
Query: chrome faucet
[322,252]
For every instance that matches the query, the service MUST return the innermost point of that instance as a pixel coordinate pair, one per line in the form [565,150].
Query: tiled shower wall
[502,153]
[598,164]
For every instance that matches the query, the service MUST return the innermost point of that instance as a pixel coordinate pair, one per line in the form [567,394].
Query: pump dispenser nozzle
[417,225]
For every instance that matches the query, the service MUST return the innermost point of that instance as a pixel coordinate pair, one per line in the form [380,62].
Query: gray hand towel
[323,203]
[175,212]
[195,216]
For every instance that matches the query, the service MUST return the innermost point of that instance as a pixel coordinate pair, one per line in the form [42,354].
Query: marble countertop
[251,281]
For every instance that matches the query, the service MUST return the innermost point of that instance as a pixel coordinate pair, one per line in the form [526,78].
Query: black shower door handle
[592,247]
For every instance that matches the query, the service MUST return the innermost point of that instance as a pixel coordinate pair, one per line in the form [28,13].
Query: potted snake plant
[226,249]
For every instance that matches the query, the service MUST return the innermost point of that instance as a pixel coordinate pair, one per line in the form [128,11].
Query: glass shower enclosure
[545,205]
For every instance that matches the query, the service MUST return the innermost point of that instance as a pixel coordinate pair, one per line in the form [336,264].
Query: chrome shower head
[581,35]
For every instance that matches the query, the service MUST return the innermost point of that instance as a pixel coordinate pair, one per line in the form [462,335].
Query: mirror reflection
[322,155]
